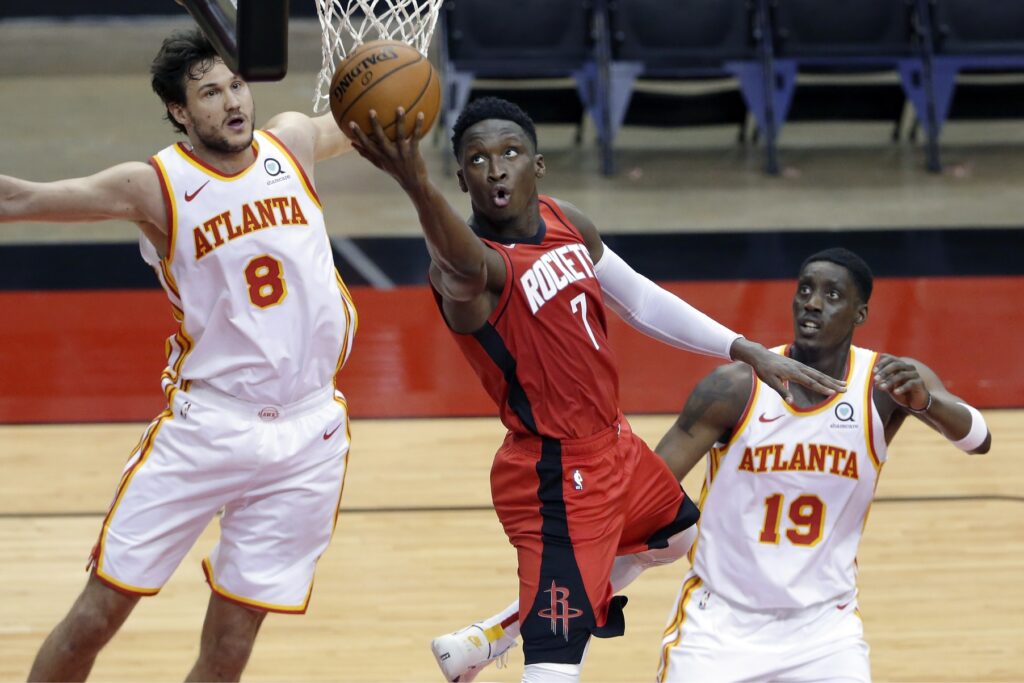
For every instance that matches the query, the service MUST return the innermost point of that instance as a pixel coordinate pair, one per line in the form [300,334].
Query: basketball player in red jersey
[523,287]
[726,625]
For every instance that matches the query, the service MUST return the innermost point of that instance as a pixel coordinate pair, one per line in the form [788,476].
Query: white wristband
[977,433]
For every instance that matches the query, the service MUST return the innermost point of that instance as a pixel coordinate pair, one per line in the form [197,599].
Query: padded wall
[96,355]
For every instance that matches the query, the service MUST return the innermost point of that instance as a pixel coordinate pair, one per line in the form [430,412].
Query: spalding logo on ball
[383,75]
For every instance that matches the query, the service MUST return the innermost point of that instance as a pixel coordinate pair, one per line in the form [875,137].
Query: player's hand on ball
[400,159]
[901,380]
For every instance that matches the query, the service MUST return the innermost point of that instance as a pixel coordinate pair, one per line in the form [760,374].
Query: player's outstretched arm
[463,270]
[311,139]
[664,316]
[129,191]
[710,415]
[917,390]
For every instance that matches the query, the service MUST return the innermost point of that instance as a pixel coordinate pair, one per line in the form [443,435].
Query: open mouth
[809,327]
[500,196]
[236,123]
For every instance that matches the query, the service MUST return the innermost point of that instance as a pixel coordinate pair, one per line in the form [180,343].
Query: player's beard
[218,142]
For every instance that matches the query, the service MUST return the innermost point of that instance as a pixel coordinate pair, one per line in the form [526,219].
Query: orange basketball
[383,75]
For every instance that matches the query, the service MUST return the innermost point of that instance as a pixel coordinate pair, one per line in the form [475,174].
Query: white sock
[551,673]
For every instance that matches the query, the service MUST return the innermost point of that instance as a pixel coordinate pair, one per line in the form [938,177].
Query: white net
[348,23]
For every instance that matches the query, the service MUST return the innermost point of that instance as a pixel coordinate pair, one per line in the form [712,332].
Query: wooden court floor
[418,551]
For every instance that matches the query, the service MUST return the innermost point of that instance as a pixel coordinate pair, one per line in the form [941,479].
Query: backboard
[251,38]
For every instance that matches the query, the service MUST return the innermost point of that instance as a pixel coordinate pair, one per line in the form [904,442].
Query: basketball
[383,75]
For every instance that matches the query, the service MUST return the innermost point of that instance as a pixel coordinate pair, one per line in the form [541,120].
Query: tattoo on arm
[716,389]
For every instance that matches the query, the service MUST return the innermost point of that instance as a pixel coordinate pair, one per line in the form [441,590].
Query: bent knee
[89,627]
[678,545]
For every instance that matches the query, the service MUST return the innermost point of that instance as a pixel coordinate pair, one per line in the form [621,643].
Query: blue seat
[984,36]
[978,27]
[863,37]
[682,40]
[516,41]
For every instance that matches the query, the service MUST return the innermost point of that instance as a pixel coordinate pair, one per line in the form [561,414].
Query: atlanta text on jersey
[813,458]
[259,214]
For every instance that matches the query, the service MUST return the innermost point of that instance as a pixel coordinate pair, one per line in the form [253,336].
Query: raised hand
[777,371]
[902,381]
[400,159]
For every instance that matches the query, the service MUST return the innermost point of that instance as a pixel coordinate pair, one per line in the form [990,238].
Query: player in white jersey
[772,593]
[254,426]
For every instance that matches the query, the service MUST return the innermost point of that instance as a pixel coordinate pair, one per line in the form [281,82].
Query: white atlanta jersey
[263,314]
[786,500]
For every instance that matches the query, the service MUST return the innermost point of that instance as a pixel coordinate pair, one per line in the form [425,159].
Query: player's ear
[462,181]
[177,112]
[862,314]
[539,168]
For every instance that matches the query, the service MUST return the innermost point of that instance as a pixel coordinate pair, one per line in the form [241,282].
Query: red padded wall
[97,355]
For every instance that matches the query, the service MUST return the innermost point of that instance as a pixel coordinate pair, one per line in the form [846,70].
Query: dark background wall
[56,9]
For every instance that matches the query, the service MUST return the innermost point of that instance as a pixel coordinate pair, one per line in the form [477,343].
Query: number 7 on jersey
[579,305]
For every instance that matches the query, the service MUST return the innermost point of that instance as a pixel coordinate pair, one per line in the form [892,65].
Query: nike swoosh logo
[762,418]
[189,196]
[843,606]
[328,435]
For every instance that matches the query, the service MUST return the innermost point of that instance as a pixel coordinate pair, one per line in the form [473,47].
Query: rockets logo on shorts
[559,611]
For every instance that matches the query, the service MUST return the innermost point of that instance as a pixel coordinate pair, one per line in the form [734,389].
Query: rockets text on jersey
[543,355]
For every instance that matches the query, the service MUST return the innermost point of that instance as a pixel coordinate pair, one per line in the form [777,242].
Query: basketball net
[347,24]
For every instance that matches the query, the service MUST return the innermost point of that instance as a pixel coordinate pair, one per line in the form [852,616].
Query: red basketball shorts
[569,508]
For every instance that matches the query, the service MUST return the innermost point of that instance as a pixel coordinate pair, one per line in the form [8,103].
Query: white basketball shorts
[274,472]
[709,640]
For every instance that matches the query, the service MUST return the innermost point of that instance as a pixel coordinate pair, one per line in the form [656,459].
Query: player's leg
[696,645]
[566,547]
[826,645]
[665,534]
[710,639]
[229,633]
[70,650]
[661,522]
[273,533]
[499,633]
[152,522]
[462,654]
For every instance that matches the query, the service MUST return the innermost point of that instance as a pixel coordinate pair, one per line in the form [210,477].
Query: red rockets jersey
[543,354]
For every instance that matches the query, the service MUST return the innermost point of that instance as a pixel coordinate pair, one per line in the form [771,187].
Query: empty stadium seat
[526,40]
[867,37]
[973,40]
[707,41]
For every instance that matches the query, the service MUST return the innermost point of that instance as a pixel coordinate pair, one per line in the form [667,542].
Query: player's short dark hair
[859,270]
[491,108]
[179,56]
